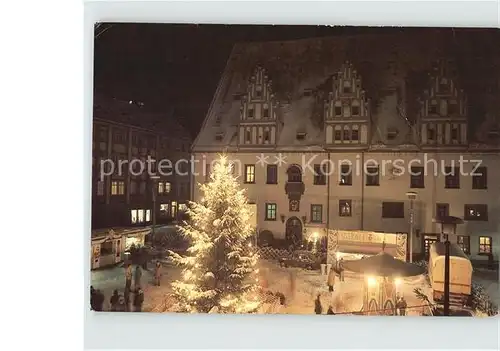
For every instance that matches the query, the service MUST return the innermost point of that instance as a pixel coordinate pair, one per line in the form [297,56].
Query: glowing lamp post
[154,180]
[412,197]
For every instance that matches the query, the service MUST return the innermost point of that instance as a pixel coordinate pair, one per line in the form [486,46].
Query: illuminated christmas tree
[219,270]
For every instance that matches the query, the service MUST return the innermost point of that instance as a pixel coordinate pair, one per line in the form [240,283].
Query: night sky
[179,66]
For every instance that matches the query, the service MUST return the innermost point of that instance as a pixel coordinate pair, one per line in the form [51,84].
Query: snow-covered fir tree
[219,270]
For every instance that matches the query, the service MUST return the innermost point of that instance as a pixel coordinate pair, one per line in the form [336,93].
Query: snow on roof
[134,114]
[400,62]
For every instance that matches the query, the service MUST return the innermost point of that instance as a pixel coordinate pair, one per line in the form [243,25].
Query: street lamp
[154,179]
[411,196]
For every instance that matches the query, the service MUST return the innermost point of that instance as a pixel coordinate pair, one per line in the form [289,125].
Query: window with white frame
[133,216]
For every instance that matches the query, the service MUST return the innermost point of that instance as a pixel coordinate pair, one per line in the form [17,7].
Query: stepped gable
[394,70]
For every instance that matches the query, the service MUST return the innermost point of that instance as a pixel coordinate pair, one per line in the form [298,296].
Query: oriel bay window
[250,174]
[270,212]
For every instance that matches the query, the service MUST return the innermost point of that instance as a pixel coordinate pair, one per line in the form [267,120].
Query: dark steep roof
[386,64]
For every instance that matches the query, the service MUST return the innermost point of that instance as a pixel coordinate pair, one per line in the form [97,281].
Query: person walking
[126,298]
[92,298]
[341,269]
[138,300]
[121,306]
[292,283]
[157,274]
[402,306]
[331,280]
[113,301]
[99,300]
[137,278]
[128,276]
[318,309]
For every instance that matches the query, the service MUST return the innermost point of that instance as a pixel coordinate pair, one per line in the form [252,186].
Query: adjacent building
[332,133]
[124,192]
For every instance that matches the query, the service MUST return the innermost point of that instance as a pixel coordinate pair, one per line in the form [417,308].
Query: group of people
[318,308]
[122,303]
[401,306]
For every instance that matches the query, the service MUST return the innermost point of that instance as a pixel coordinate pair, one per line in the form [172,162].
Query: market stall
[108,246]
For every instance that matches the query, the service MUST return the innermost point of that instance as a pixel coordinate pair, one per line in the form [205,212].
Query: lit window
[100,188]
[133,216]
[345,208]
[476,212]
[164,209]
[174,209]
[168,187]
[114,188]
[148,215]
[182,207]
[140,216]
[270,212]
[121,188]
[249,174]
[485,244]
[160,188]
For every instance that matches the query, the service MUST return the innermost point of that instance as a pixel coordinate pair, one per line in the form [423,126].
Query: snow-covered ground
[347,297]
[107,280]
[490,281]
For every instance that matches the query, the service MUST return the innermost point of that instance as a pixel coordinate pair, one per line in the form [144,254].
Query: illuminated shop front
[354,245]
[109,246]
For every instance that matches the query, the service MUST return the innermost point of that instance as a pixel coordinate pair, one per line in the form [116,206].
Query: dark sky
[178,66]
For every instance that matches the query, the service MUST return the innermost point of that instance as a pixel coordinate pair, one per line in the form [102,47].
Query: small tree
[219,270]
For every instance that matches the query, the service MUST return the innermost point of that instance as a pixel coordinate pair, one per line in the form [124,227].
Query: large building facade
[328,134]
[125,192]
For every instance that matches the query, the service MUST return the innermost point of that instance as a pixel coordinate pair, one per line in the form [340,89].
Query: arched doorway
[389,308]
[293,231]
[372,308]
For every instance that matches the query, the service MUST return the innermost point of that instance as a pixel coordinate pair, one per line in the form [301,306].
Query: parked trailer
[460,273]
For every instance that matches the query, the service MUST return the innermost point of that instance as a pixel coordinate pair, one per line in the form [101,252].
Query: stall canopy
[383,265]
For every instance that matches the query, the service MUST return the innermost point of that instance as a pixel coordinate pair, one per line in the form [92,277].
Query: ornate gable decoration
[259,105]
[347,98]
[444,99]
